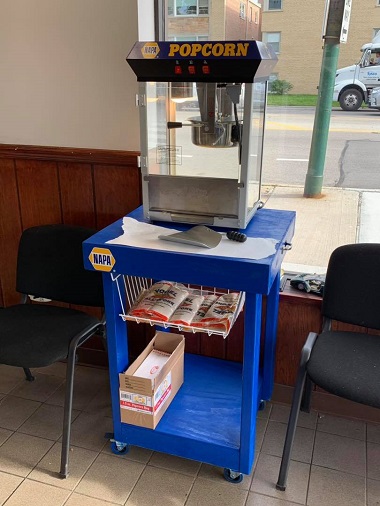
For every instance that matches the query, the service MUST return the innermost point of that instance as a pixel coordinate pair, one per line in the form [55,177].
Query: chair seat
[37,335]
[347,364]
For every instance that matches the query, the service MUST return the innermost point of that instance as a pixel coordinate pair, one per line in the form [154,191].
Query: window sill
[173,16]
[294,296]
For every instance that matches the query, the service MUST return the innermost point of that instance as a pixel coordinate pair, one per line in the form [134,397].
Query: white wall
[64,80]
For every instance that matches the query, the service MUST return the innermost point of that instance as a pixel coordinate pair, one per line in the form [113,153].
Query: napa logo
[102,259]
[150,50]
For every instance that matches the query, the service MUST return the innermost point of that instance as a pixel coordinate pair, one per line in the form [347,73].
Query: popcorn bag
[187,310]
[175,304]
[161,301]
[207,302]
[221,314]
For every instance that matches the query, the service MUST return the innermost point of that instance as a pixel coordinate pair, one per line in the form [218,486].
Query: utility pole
[337,16]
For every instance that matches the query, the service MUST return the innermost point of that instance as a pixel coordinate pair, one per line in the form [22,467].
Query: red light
[177,70]
[191,69]
[206,69]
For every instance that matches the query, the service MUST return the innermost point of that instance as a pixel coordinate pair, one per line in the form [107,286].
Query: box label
[136,402]
[162,392]
[144,403]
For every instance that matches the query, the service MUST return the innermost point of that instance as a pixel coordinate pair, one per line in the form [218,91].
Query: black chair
[346,364]
[50,266]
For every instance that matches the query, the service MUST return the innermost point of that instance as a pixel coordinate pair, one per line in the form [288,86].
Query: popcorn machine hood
[202,117]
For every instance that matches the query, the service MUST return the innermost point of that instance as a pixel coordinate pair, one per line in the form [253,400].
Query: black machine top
[207,61]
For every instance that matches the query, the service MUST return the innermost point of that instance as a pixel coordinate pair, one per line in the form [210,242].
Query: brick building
[294,29]
[213,20]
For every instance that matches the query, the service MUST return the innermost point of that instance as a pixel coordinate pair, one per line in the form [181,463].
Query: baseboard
[328,403]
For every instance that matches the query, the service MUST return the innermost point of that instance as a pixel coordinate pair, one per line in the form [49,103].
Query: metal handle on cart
[286,247]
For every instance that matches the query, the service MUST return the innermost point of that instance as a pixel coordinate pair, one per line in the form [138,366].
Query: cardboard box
[144,400]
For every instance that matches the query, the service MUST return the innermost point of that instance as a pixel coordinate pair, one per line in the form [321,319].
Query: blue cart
[212,418]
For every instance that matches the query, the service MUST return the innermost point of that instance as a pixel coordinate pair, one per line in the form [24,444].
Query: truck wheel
[351,100]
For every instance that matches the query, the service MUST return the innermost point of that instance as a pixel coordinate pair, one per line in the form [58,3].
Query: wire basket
[132,288]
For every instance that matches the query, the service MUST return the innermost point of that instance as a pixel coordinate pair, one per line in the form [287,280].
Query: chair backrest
[352,289]
[50,265]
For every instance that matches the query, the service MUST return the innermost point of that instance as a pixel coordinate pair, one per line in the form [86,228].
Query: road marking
[292,159]
[273,125]
[278,125]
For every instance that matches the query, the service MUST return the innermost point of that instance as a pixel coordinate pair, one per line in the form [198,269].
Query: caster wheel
[232,476]
[119,448]
[262,405]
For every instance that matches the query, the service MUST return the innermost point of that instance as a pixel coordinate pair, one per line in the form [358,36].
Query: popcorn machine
[202,117]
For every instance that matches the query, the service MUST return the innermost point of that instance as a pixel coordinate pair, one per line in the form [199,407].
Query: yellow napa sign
[102,259]
[150,50]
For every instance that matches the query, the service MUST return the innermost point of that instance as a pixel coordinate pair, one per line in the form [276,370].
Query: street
[352,158]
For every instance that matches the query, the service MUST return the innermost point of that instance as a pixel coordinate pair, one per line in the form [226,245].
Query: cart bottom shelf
[203,421]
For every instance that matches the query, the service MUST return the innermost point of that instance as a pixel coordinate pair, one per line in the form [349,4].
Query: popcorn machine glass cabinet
[201,147]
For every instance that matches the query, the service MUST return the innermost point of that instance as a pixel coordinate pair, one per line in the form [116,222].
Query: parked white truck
[375,98]
[354,84]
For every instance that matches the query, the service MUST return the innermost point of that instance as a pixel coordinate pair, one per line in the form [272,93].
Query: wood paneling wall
[41,185]
[94,188]
[299,314]
[59,185]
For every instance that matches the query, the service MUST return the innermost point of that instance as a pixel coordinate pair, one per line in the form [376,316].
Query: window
[273,5]
[272,77]
[188,38]
[288,134]
[272,39]
[187,7]
[242,10]
[202,6]
[250,15]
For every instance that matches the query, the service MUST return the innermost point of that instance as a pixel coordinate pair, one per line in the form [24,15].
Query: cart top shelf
[230,272]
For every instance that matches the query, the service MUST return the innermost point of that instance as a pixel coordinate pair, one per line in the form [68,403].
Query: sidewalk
[340,216]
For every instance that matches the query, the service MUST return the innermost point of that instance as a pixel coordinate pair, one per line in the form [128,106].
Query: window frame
[190,38]
[273,77]
[197,12]
[269,9]
[264,38]
[243,10]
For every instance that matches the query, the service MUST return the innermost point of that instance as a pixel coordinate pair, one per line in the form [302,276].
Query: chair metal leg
[28,374]
[71,359]
[306,398]
[291,431]
[294,412]
[64,472]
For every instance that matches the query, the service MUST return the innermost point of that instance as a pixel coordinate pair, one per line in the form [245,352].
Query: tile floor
[336,461]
